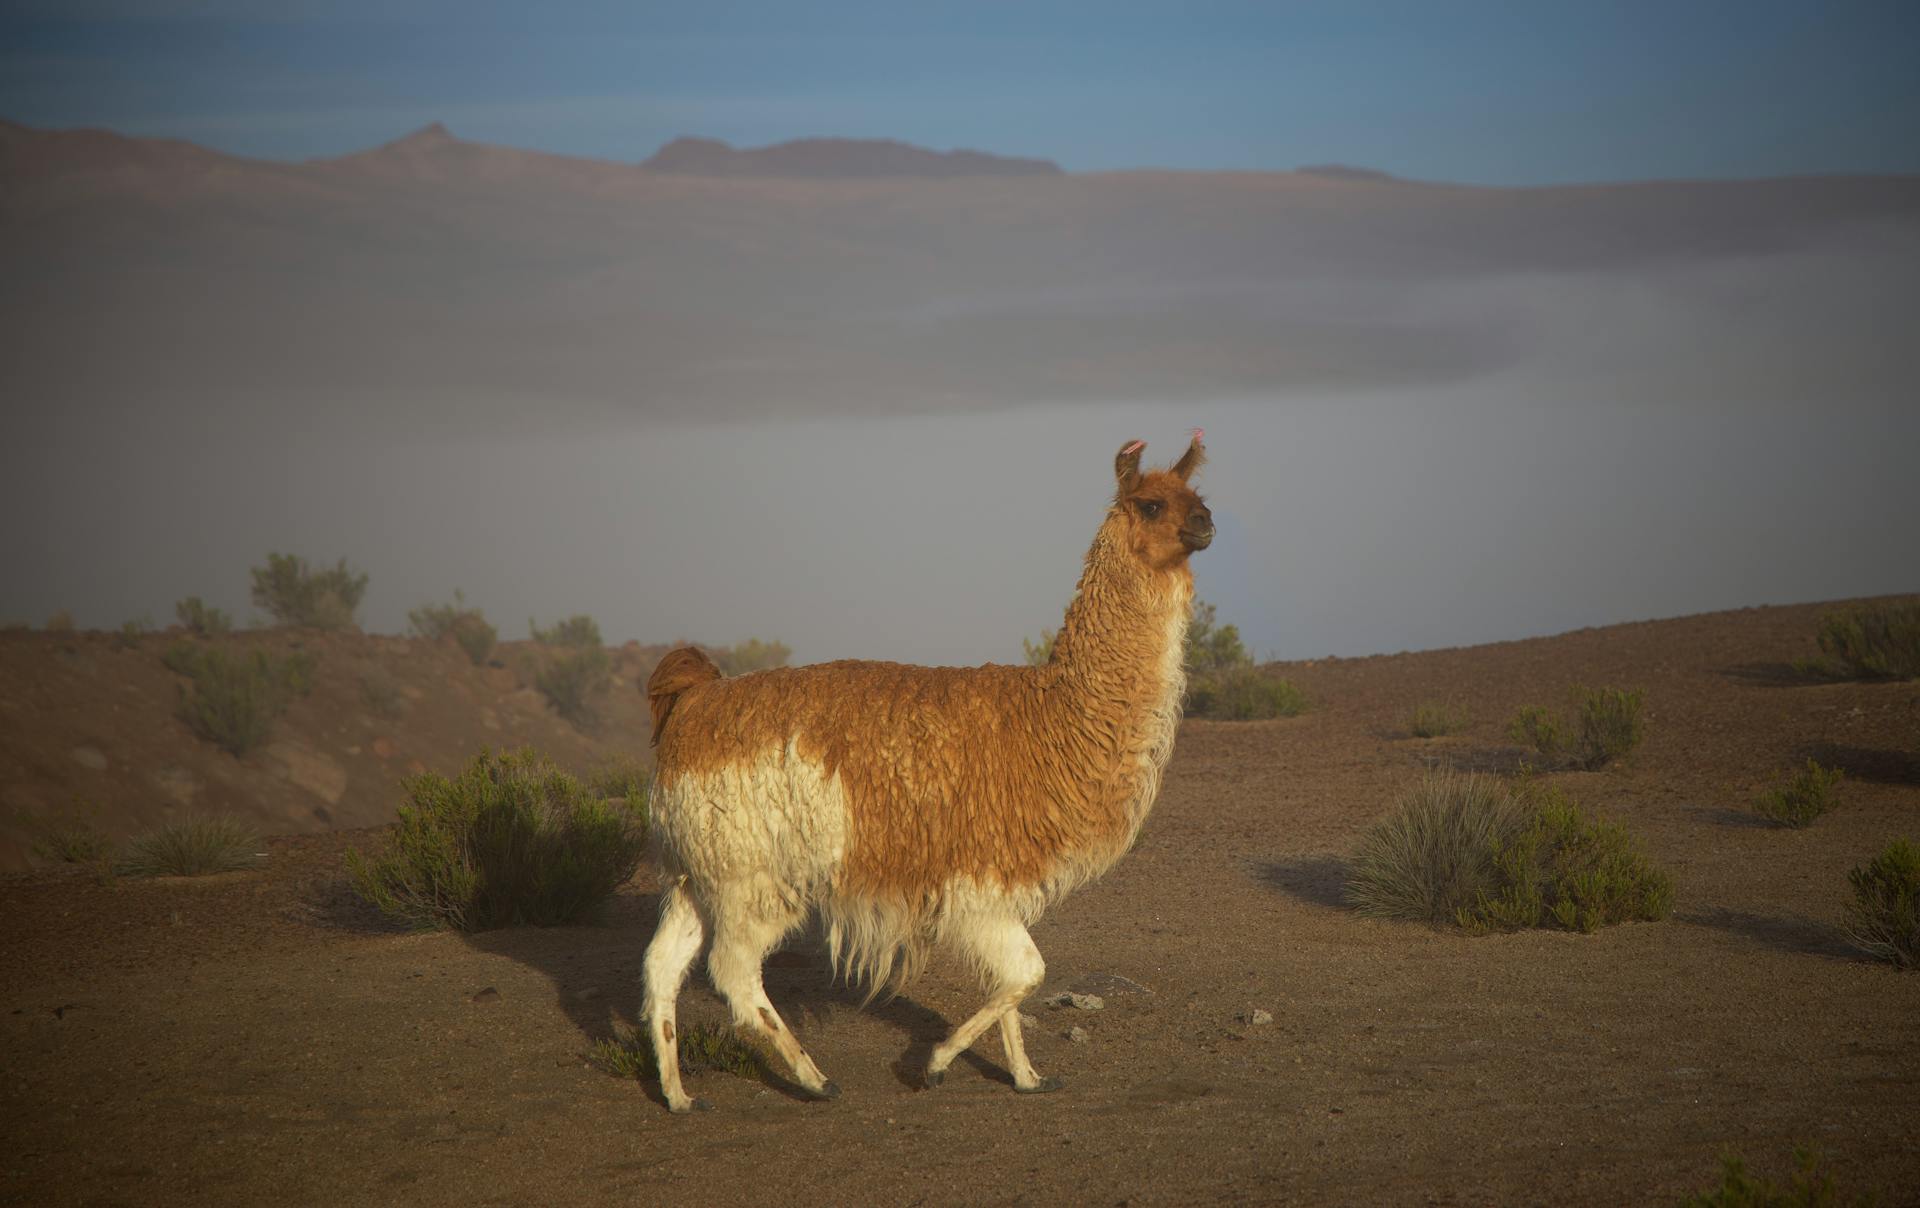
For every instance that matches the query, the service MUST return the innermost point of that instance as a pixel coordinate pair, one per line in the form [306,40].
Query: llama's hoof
[1042,1087]
[933,1078]
[830,1091]
[688,1106]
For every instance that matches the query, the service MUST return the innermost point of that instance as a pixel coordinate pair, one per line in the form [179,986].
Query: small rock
[1259,1017]
[1079,1035]
[1029,1021]
[309,769]
[1081,1002]
[89,757]
[487,995]
[384,748]
[176,784]
[1108,985]
[588,994]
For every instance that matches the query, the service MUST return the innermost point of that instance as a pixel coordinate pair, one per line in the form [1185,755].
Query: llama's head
[1163,519]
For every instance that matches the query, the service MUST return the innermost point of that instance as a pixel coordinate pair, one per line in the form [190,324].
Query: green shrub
[571,681]
[1609,724]
[200,620]
[295,594]
[1213,648]
[1432,719]
[1243,694]
[1434,855]
[630,1055]
[752,655]
[60,622]
[192,848]
[1040,653]
[1606,726]
[578,630]
[1809,1187]
[1801,799]
[1563,868]
[1879,641]
[1535,727]
[232,697]
[512,841]
[1883,920]
[1470,851]
[466,626]
[128,636]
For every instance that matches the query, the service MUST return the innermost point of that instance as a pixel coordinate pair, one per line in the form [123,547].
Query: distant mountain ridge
[826,158]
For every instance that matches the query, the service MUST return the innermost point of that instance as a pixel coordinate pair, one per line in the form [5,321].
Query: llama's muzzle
[1197,532]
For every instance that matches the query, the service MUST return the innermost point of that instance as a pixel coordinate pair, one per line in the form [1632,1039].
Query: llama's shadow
[1318,880]
[595,972]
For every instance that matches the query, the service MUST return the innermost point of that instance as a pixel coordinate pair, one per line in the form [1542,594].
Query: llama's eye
[1149,508]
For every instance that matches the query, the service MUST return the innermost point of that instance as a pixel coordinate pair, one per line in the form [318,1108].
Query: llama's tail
[680,670]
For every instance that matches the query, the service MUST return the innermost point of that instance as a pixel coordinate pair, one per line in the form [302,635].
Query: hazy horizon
[875,417]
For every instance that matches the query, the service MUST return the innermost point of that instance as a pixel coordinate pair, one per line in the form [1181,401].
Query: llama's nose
[1197,533]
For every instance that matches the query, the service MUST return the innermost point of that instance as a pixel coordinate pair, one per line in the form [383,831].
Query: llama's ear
[1126,467]
[1193,458]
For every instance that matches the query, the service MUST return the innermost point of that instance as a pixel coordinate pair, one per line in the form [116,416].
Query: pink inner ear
[1197,434]
[1135,447]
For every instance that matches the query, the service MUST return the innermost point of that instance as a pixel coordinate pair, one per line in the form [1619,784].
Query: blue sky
[1497,93]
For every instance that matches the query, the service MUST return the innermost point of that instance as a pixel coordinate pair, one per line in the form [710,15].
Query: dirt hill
[260,1036]
[93,732]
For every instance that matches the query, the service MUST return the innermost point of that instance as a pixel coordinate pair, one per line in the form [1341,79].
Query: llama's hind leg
[740,946]
[1010,964]
[675,943]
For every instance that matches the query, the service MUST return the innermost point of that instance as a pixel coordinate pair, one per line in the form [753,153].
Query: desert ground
[263,1037]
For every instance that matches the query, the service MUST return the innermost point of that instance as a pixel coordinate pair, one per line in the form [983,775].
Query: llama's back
[881,780]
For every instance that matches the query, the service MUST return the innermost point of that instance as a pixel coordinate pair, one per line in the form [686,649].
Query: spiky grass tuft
[195,847]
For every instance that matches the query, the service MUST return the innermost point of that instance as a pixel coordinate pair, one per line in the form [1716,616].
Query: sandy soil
[259,1037]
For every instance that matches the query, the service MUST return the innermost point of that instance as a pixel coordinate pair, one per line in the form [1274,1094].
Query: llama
[914,807]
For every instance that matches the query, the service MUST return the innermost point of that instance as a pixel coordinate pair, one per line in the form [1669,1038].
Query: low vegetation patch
[630,1054]
[1223,682]
[573,681]
[60,622]
[1605,726]
[1433,719]
[201,620]
[1883,919]
[1471,851]
[232,697]
[1808,794]
[380,693]
[1874,641]
[296,594]
[72,843]
[511,841]
[577,630]
[1807,1187]
[468,627]
[192,848]
[752,655]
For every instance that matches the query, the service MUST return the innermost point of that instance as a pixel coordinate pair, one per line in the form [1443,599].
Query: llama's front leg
[739,948]
[1004,950]
[675,943]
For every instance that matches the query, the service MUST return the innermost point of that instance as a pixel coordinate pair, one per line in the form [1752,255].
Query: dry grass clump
[1434,719]
[1605,726]
[1243,694]
[1883,919]
[1874,641]
[194,847]
[74,843]
[1807,1187]
[1471,851]
[296,594]
[630,1054]
[1434,856]
[1804,797]
[512,841]
[232,697]
[468,627]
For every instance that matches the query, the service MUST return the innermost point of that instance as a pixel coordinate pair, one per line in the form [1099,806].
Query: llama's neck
[1119,666]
